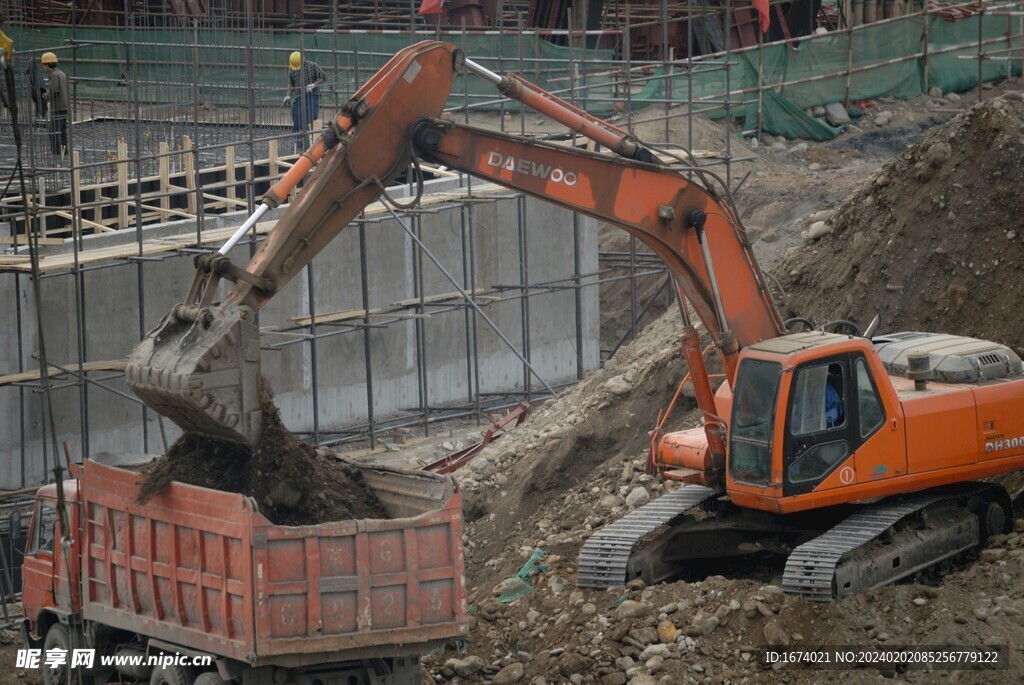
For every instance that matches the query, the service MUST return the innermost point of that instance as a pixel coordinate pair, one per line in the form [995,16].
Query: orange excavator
[859,457]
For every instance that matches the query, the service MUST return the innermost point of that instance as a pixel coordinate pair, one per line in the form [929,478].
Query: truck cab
[46,594]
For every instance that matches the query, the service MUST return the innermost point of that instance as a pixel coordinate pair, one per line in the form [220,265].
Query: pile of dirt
[933,241]
[293,484]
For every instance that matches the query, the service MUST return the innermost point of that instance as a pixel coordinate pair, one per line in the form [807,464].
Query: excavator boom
[200,366]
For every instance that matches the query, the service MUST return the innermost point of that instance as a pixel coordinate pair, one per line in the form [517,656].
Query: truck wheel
[209,678]
[172,675]
[58,637]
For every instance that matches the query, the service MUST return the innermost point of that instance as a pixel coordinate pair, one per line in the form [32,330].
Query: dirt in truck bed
[292,484]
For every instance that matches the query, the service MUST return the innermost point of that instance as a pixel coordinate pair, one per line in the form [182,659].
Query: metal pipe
[364,283]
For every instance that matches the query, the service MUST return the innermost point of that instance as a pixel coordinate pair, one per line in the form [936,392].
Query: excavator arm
[200,366]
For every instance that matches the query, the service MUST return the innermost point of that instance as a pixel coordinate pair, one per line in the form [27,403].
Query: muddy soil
[293,484]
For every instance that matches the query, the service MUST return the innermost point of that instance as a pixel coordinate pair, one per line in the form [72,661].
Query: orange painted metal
[685,449]
[415,83]
[202,569]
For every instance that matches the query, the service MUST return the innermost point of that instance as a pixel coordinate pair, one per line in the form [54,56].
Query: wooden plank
[224,202]
[76,191]
[42,202]
[331,317]
[14,259]
[99,227]
[443,297]
[190,174]
[23,240]
[229,175]
[27,376]
[272,158]
[122,184]
[165,175]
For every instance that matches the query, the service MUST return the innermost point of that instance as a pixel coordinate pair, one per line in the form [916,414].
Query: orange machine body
[895,438]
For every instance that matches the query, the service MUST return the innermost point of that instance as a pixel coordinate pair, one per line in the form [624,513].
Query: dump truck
[195,586]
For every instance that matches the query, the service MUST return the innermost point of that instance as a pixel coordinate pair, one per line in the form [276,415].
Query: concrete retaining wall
[110,301]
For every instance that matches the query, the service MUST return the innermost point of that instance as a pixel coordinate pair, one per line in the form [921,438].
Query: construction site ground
[577,463]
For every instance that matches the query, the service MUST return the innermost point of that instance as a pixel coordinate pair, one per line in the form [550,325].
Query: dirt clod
[292,484]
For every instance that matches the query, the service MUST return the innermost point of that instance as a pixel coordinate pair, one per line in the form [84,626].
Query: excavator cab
[803,406]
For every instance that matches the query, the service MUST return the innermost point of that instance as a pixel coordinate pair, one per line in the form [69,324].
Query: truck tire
[209,678]
[58,637]
[172,675]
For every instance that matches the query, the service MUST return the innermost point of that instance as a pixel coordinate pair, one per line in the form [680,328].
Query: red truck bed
[202,569]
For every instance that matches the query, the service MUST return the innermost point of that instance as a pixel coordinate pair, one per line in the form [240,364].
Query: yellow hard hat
[295,61]
[48,58]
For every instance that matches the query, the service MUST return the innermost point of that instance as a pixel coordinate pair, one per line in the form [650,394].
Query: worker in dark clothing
[37,88]
[304,81]
[57,95]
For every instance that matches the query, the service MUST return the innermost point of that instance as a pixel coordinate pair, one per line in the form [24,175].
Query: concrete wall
[113,324]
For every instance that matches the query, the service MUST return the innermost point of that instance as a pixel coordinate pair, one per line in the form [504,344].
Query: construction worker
[304,78]
[57,95]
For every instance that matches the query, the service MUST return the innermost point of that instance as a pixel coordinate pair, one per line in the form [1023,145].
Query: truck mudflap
[203,569]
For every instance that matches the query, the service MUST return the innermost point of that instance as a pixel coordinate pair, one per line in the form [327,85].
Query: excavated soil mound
[292,484]
[934,241]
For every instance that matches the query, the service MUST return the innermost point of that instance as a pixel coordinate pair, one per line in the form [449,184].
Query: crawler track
[603,559]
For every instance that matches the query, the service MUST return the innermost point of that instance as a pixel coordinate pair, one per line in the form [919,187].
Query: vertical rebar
[475,320]
[524,289]
[467,311]
[77,274]
[924,57]
[981,53]
[728,93]
[577,292]
[421,309]
[140,273]
[314,376]
[663,13]
[196,163]
[22,411]
[364,280]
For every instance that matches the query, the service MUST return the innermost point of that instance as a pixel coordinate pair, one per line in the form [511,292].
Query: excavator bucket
[201,368]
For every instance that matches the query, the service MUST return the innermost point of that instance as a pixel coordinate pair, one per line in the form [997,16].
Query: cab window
[813,464]
[872,415]
[43,528]
[819,399]
[753,412]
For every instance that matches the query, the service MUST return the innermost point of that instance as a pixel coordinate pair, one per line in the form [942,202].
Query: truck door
[37,579]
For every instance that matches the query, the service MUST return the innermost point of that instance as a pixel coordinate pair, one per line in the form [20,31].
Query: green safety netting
[812,72]
[168,58]
[886,59]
